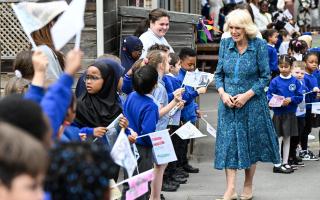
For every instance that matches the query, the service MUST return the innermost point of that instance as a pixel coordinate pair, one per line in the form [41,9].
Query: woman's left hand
[240,99]
[123,122]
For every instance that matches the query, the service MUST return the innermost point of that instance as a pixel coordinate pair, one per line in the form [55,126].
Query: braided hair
[286,59]
[79,171]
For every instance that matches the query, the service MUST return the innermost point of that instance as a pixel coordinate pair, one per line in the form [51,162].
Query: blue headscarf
[129,44]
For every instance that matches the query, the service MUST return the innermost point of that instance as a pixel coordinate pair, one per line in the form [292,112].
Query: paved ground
[304,184]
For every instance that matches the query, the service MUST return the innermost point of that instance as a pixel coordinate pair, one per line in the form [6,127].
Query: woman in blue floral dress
[245,133]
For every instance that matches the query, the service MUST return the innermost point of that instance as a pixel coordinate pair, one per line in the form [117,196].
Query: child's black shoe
[282,170]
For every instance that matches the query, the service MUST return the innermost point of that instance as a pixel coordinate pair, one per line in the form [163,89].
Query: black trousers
[181,148]
[172,166]
[307,130]
[295,140]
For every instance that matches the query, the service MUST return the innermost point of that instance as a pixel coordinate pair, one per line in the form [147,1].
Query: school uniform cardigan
[310,82]
[143,115]
[273,58]
[55,102]
[127,87]
[287,87]
[168,83]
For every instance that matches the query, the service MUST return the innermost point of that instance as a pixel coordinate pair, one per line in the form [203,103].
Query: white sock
[280,144]
[277,165]
[286,149]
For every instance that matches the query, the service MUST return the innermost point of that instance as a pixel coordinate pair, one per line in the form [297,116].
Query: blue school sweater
[188,113]
[167,80]
[127,87]
[273,58]
[71,133]
[55,102]
[316,74]
[143,114]
[314,50]
[311,82]
[290,87]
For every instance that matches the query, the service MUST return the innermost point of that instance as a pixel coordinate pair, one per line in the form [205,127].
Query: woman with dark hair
[158,27]
[43,40]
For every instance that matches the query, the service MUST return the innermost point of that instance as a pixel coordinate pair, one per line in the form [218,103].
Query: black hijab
[102,108]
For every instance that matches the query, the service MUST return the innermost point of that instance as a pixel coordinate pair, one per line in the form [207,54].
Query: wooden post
[154,4]
[100,27]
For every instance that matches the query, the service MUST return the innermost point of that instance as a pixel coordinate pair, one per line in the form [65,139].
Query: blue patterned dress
[246,135]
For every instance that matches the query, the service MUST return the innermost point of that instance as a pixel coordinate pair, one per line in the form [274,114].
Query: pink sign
[137,191]
[276,101]
[139,184]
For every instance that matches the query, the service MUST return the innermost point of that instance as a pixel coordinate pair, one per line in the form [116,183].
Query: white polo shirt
[148,39]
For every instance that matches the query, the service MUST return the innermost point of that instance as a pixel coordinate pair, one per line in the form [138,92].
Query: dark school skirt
[286,124]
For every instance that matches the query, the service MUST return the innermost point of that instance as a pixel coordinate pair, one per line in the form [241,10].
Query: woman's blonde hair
[241,18]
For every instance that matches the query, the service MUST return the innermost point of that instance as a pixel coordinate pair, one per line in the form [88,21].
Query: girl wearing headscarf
[99,106]
[130,52]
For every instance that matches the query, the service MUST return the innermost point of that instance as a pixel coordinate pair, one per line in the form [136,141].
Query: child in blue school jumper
[311,60]
[143,115]
[190,112]
[316,73]
[56,100]
[70,133]
[98,105]
[159,60]
[271,36]
[284,118]
[298,71]
[172,176]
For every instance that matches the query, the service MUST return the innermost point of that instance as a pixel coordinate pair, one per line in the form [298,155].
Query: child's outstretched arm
[190,94]
[40,64]
[58,97]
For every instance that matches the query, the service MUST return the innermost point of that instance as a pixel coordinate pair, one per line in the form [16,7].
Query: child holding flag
[298,71]
[190,110]
[143,115]
[311,60]
[284,118]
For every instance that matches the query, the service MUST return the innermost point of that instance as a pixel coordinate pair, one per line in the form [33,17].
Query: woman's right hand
[99,131]
[227,99]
